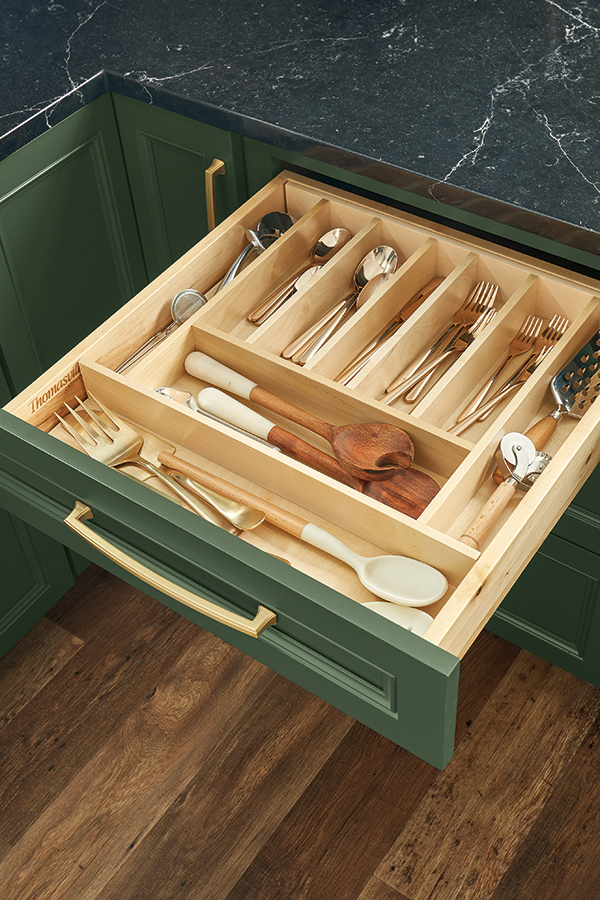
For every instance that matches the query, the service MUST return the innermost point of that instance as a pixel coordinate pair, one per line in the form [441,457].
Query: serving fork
[116,443]
[479,301]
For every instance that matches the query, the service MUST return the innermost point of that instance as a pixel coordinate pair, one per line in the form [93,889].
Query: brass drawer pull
[253,627]
[217,167]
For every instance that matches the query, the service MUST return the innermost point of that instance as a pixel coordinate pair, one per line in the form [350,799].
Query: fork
[520,344]
[480,299]
[414,387]
[542,346]
[122,444]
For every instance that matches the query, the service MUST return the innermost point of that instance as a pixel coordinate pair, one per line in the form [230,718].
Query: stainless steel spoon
[274,224]
[381,260]
[321,252]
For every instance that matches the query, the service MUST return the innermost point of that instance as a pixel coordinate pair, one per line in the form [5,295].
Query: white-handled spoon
[398,579]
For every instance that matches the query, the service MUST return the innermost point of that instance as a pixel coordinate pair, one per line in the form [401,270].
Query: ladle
[380,260]
[272,224]
[321,252]
[368,450]
[399,579]
[407,491]
[183,305]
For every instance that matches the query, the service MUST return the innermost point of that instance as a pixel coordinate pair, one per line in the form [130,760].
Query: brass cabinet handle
[217,167]
[253,627]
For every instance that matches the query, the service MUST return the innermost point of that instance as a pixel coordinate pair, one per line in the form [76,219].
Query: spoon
[368,450]
[408,491]
[273,224]
[183,305]
[399,579]
[381,260]
[322,251]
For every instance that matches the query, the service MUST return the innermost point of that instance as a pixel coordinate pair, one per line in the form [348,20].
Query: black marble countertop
[488,106]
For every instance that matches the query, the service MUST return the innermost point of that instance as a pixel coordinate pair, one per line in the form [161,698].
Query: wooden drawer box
[401,684]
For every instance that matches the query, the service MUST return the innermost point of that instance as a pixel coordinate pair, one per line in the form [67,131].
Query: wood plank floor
[141,757]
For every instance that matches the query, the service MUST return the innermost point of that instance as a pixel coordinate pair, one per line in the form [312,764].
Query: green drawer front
[391,680]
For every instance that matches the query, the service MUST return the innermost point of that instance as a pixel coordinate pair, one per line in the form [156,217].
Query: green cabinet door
[553,610]
[70,253]
[35,572]
[166,157]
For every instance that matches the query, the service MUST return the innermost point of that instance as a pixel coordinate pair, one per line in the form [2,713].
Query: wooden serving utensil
[398,579]
[373,451]
[407,491]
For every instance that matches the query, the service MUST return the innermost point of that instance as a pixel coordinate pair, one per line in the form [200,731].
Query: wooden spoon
[407,491]
[370,450]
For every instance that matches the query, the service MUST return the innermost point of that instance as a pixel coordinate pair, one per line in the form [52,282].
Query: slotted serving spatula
[574,388]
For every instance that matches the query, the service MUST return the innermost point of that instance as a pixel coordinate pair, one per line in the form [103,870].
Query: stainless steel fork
[481,299]
[542,346]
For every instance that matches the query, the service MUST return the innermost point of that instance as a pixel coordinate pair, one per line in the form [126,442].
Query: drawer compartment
[320,634]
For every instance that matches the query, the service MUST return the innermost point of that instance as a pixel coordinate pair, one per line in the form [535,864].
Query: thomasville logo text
[37,402]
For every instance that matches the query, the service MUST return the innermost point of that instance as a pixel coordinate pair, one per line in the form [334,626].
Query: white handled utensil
[398,579]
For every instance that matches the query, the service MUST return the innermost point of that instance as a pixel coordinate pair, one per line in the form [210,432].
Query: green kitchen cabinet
[70,253]
[35,571]
[554,608]
[141,171]
[166,156]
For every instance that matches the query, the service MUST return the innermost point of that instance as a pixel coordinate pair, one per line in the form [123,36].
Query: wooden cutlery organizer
[461,465]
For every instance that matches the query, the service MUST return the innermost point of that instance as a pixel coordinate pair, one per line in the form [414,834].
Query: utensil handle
[203,367]
[283,519]
[483,411]
[481,394]
[316,536]
[207,369]
[232,411]
[485,520]
[416,364]
[324,336]
[234,268]
[145,348]
[310,332]
[264,309]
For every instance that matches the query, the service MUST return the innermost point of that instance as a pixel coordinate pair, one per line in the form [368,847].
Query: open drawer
[307,607]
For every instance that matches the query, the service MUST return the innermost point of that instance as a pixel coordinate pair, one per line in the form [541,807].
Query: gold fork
[521,343]
[481,298]
[121,444]
[542,346]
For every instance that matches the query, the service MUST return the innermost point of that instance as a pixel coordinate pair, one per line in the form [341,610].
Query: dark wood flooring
[141,757]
